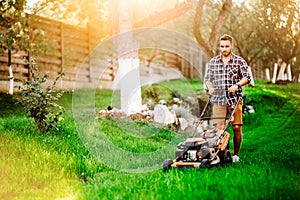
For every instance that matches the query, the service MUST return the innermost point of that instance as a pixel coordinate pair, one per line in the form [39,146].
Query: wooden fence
[73,49]
[68,49]
[89,61]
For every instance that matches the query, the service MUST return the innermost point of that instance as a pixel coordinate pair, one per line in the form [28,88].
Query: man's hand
[211,91]
[210,87]
[233,88]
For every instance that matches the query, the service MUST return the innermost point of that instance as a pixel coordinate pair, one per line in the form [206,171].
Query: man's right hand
[210,87]
[211,91]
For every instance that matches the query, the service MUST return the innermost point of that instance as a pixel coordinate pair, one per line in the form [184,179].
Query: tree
[128,74]
[82,13]
[244,30]
[95,13]
[280,19]
[272,32]
[12,29]
[210,45]
[15,34]
[12,32]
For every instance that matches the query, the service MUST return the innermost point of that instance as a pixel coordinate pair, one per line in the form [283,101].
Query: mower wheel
[204,163]
[225,157]
[167,164]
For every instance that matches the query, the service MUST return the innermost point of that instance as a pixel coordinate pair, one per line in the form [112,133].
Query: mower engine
[207,150]
[193,149]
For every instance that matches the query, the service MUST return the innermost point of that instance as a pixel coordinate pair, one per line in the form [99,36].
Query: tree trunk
[218,25]
[210,45]
[128,74]
[197,25]
[11,76]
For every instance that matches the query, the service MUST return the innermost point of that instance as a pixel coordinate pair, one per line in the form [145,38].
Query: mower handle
[223,90]
[219,90]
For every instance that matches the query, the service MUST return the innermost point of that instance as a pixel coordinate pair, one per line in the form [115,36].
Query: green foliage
[40,101]
[153,93]
[11,24]
[252,34]
[171,89]
[77,12]
[15,33]
[10,12]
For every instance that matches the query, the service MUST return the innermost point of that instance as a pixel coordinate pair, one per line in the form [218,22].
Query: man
[228,72]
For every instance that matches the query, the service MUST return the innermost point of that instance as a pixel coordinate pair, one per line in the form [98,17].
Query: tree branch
[197,24]
[223,15]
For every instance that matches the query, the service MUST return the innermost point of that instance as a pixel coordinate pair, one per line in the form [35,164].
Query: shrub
[39,100]
[154,93]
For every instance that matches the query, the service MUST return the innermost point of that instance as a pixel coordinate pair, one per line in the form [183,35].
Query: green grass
[61,164]
[135,136]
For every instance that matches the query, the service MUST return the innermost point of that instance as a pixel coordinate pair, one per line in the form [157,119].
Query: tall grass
[58,164]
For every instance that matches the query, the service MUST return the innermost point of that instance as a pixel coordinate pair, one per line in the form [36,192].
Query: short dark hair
[226,37]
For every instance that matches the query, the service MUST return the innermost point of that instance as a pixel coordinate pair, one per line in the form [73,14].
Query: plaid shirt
[223,77]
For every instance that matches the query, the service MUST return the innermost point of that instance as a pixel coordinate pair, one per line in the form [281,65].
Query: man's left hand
[233,88]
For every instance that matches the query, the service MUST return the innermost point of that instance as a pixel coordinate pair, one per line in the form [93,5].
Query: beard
[226,53]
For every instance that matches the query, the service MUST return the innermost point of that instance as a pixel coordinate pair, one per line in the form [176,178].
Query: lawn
[94,157]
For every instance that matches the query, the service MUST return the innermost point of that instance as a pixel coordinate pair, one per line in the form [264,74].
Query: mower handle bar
[209,102]
[220,90]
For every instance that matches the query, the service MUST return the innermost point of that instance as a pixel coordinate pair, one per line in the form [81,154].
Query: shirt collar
[219,57]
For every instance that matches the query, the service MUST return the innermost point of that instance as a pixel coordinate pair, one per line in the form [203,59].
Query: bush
[39,101]
[152,93]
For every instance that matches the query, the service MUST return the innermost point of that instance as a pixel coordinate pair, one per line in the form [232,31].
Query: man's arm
[242,82]
[246,77]
[209,86]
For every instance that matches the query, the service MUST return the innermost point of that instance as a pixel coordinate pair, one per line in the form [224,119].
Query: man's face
[225,47]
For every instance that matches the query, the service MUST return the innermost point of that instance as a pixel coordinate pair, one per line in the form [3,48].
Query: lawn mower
[208,149]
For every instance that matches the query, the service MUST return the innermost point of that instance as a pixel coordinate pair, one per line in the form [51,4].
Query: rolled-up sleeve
[245,71]
[209,74]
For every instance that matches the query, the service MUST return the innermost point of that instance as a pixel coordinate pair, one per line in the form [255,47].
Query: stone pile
[176,115]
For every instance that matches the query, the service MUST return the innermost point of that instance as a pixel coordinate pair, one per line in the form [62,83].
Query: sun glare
[30,3]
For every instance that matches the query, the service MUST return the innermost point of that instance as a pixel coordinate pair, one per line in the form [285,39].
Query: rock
[162,115]
[177,100]
[183,123]
[250,109]
[162,102]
